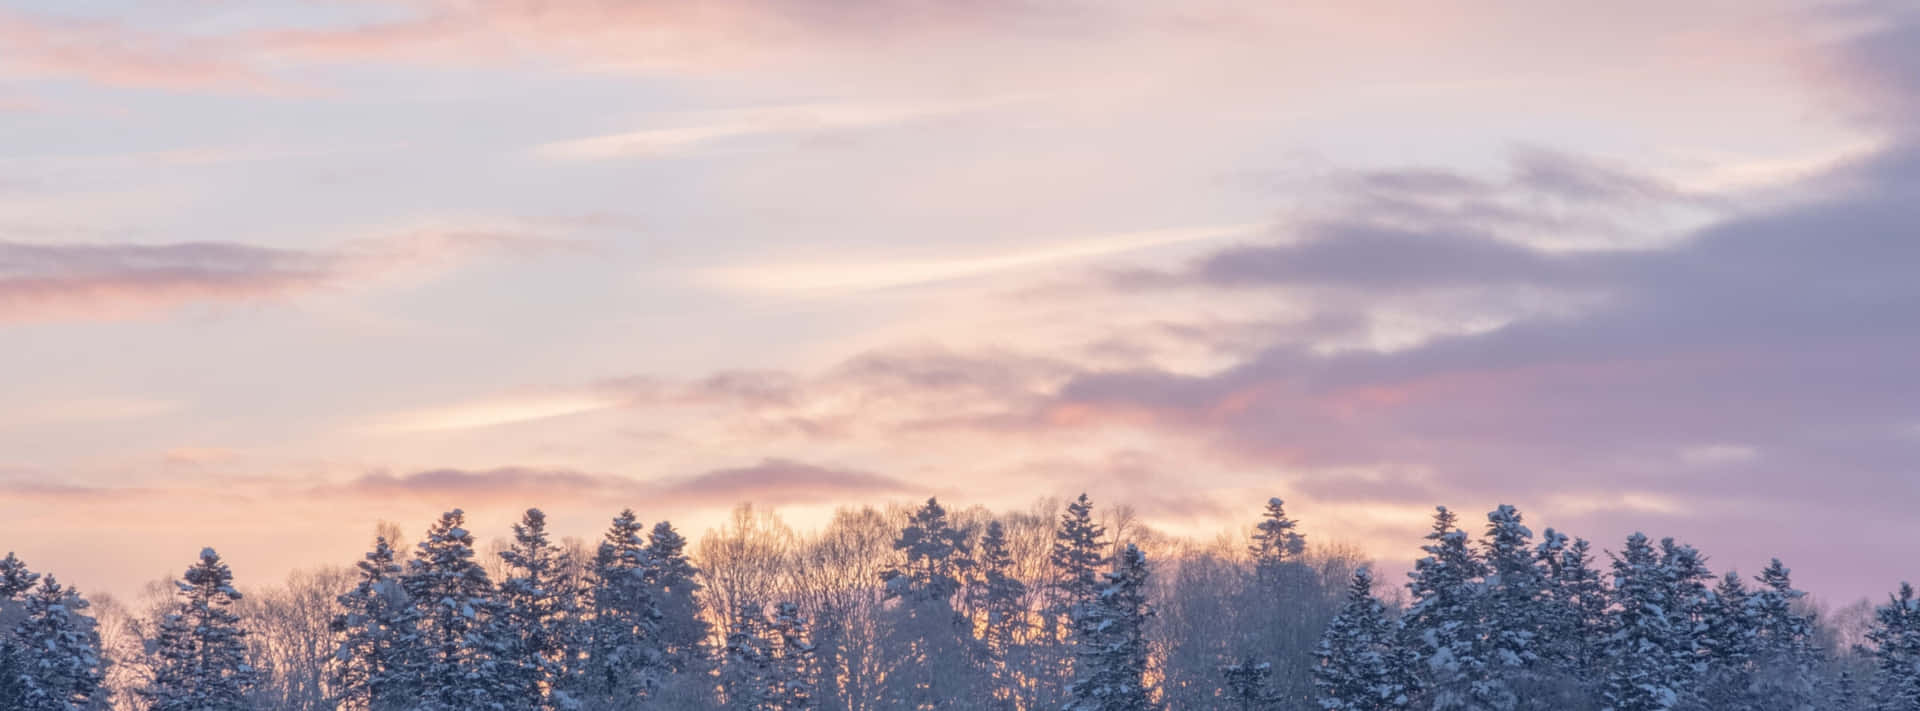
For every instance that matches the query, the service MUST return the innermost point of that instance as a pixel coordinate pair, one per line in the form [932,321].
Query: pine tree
[1000,597]
[538,608]
[791,687]
[1275,541]
[1896,652]
[624,660]
[375,631]
[673,586]
[1074,564]
[200,657]
[1644,665]
[1443,620]
[1112,646]
[1513,609]
[461,643]
[1684,572]
[1786,657]
[747,675]
[1726,639]
[15,579]
[1249,686]
[1360,664]
[931,654]
[60,666]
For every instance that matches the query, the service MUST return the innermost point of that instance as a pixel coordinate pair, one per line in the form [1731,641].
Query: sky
[274,271]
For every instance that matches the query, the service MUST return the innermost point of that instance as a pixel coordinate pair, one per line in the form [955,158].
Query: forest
[1068,607]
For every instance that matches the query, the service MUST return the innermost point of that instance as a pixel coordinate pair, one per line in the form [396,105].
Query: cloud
[118,55]
[707,128]
[784,481]
[47,281]
[851,275]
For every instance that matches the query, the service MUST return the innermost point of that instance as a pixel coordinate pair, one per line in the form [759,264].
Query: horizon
[272,273]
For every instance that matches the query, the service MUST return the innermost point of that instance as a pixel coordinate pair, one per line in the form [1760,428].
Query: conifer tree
[792,653]
[1360,664]
[1249,685]
[1443,620]
[673,586]
[1684,571]
[1895,635]
[460,642]
[1786,657]
[1074,563]
[375,631]
[1276,542]
[1512,609]
[624,660]
[1112,647]
[1726,639]
[1000,597]
[200,657]
[1644,664]
[930,649]
[15,579]
[747,675]
[538,608]
[60,665]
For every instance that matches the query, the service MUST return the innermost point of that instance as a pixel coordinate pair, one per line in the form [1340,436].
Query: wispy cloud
[855,275]
[703,129]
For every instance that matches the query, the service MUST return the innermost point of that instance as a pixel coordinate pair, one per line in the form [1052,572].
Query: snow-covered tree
[672,584]
[929,643]
[1249,686]
[624,660]
[1513,609]
[199,659]
[1001,599]
[1647,645]
[1443,620]
[1786,657]
[60,665]
[1726,640]
[1895,635]
[1276,541]
[460,642]
[538,608]
[375,630]
[1684,571]
[1361,664]
[792,655]
[15,579]
[746,666]
[1074,564]
[1112,647]
[1574,608]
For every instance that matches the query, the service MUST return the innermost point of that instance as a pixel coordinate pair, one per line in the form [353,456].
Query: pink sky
[273,272]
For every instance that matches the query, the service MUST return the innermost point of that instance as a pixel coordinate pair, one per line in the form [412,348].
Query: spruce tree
[376,635]
[673,586]
[1360,664]
[1684,571]
[1513,609]
[200,656]
[1000,597]
[624,660]
[1074,564]
[1249,685]
[538,607]
[1443,621]
[1112,648]
[1644,662]
[1276,542]
[1726,639]
[929,642]
[1787,658]
[792,654]
[60,665]
[460,642]
[747,675]
[1895,635]
[15,579]
[15,582]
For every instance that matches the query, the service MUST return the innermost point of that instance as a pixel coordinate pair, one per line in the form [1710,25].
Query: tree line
[921,608]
